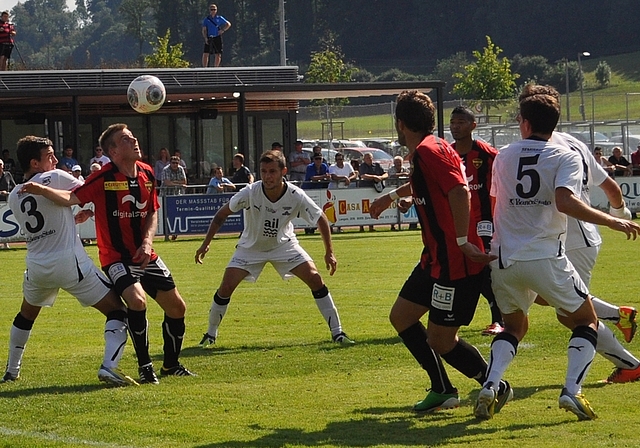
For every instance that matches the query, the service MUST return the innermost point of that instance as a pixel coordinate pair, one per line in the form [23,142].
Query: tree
[138,18]
[489,78]
[447,68]
[165,55]
[603,74]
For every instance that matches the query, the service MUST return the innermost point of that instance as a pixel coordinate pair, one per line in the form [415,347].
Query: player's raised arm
[381,203]
[61,197]
[217,222]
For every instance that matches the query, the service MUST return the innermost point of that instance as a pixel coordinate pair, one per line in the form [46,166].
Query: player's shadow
[399,429]
[51,390]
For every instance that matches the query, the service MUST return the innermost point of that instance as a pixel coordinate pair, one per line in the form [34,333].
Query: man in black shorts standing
[447,280]
[213,26]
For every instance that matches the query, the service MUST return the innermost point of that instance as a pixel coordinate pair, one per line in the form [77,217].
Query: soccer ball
[146,94]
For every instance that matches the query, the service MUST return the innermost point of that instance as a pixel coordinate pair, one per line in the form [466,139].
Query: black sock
[139,335]
[466,359]
[172,333]
[415,339]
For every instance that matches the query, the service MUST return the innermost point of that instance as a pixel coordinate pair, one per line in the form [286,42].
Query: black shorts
[451,304]
[155,277]
[213,45]
[5,50]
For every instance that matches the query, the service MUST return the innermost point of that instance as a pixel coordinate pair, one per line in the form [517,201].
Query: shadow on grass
[52,390]
[321,346]
[397,430]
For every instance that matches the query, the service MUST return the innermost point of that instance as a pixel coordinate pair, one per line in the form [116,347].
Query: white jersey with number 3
[526,174]
[49,229]
[268,224]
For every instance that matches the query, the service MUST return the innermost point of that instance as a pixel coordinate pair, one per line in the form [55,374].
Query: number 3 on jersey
[29,206]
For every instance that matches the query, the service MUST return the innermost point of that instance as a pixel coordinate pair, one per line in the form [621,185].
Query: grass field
[275,380]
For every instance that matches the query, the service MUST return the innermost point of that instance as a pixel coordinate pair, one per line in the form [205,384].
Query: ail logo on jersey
[477,163]
[116,186]
[270,228]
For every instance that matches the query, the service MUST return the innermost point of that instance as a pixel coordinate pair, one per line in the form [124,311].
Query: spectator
[183,164]
[604,163]
[298,161]
[99,157]
[173,178]
[7,31]
[219,183]
[213,26]
[635,161]
[371,175]
[398,170]
[242,175]
[317,151]
[317,174]
[76,172]
[277,146]
[6,182]
[341,175]
[67,162]
[9,163]
[620,164]
[95,167]
[355,164]
[161,163]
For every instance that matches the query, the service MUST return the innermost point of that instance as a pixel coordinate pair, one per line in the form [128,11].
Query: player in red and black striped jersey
[447,281]
[126,205]
[477,157]
[7,31]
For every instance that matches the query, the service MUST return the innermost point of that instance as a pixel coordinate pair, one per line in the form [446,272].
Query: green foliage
[138,17]
[603,74]
[165,55]
[488,78]
[273,379]
[447,68]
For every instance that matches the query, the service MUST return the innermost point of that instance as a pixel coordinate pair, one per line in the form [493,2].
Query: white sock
[605,310]
[330,313]
[580,357]
[216,313]
[502,353]
[115,339]
[17,343]
[610,348]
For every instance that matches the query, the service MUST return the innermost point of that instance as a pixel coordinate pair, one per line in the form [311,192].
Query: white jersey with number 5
[268,224]
[526,174]
[49,229]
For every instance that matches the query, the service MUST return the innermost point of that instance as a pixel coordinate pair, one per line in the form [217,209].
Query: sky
[7,5]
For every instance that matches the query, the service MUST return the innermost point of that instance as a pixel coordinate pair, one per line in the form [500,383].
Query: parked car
[599,139]
[385,144]
[337,144]
[628,143]
[328,154]
[379,156]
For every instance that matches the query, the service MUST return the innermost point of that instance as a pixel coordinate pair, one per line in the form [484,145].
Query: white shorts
[555,279]
[583,260]
[75,273]
[284,258]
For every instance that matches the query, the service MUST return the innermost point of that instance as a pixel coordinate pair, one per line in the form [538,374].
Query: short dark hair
[464,111]
[540,106]
[416,110]
[273,155]
[276,145]
[106,141]
[30,148]
[240,157]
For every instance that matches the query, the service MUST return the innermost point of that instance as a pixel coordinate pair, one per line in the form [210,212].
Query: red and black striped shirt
[122,206]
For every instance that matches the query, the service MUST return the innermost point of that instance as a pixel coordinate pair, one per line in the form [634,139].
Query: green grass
[275,380]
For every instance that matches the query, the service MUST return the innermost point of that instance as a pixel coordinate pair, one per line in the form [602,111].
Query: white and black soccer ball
[146,94]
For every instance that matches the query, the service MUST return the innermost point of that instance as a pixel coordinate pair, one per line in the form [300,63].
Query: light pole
[566,77]
[585,54]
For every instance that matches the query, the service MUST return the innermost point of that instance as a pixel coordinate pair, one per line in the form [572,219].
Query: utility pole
[283,36]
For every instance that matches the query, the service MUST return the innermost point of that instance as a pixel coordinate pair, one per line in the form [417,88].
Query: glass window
[212,146]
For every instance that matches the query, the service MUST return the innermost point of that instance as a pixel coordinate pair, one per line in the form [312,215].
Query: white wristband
[393,194]
[461,240]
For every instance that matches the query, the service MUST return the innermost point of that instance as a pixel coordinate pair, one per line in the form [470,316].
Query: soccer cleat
[627,322]
[493,329]
[503,398]
[147,375]
[342,338]
[207,340]
[435,402]
[178,370]
[623,375]
[8,376]
[577,404]
[486,402]
[115,377]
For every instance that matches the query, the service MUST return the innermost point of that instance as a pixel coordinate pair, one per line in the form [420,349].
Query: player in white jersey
[582,247]
[534,184]
[56,259]
[268,236]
